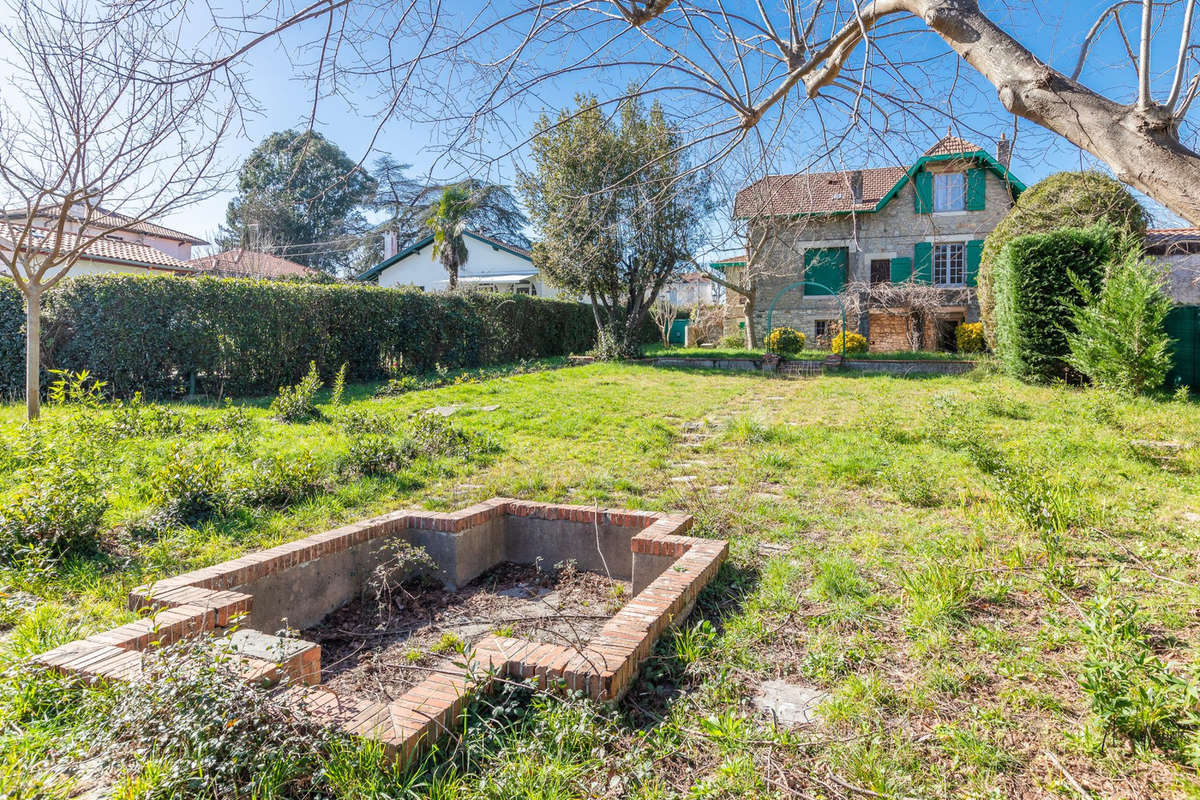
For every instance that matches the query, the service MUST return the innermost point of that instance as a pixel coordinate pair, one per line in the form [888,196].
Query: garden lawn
[951,560]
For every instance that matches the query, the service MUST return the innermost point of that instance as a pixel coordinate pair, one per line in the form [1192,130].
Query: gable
[477,242]
[831,193]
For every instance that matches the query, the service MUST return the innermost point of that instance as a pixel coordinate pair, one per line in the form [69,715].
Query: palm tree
[448,220]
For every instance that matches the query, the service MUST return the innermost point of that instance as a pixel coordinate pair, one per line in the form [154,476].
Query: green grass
[656,350]
[927,552]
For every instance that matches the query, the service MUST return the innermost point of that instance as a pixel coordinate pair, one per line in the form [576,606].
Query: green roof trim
[981,155]
[374,271]
[723,265]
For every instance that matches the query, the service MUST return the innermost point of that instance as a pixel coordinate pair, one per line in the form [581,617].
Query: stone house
[811,236]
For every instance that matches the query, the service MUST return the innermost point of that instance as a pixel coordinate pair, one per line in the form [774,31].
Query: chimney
[856,185]
[390,247]
[1004,151]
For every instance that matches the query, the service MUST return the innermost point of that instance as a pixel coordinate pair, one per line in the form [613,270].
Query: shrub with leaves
[191,486]
[75,388]
[58,508]
[377,454]
[339,386]
[433,436]
[1132,691]
[189,726]
[279,481]
[848,342]
[398,386]
[299,403]
[785,341]
[969,337]
[1120,340]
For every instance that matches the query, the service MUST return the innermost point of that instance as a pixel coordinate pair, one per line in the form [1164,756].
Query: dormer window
[950,191]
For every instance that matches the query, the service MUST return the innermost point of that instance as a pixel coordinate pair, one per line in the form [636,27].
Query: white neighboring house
[692,288]
[1179,250]
[143,248]
[492,265]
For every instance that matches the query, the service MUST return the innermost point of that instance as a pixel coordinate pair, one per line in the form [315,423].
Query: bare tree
[764,68]
[917,303]
[663,312]
[95,139]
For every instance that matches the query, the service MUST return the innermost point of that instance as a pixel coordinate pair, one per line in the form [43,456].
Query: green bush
[377,454]
[191,486]
[848,342]
[12,341]
[1120,339]
[969,337]
[1037,282]
[298,403]
[278,481]
[163,335]
[785,341]
[734,341]
[1062,200]
[58,508]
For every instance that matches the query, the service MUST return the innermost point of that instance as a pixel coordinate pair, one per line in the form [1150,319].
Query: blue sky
[949,89]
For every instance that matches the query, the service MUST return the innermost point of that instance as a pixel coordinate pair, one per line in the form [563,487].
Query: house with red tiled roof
[251,264]
[812,236]
[122,243]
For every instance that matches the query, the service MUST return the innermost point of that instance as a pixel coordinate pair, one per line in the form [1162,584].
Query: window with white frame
[949,264]
[950,191]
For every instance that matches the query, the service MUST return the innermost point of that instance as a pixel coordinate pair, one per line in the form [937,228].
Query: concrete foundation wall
[303,595]
[526,539]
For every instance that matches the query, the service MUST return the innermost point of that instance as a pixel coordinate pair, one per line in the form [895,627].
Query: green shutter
[974,253]
[826,266]
[923,188]
[923,262]
[901,269]
[976,189]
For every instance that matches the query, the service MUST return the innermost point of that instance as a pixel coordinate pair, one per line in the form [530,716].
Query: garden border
[669,570]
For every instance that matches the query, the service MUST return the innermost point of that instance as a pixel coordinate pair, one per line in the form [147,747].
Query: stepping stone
[443,411]
[489,408]
[771,549]
[790,703]
[683,479]
[719,489]
[767,496]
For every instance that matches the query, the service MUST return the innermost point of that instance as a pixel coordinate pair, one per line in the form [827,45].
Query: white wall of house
[420,269]
[87,267]
[691,292]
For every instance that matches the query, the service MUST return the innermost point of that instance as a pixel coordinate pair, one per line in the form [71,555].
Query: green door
[1183,325]
[826,266]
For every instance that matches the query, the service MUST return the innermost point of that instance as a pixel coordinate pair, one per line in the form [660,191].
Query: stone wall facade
[892,232]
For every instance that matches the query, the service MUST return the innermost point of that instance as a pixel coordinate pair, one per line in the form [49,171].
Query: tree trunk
[33,351]
[748,309]
[452,271]
[1140,143]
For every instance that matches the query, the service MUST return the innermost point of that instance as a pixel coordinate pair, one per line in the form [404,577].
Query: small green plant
[76,388]
[57,508]
[785,341]
[1119,338]
[1131,690]
[278,481]
[734,341]
[848,342]
[937,594]
[691,644]
[969,337]
[339,386]
[838,579]
[399,386]
[449,643]
[191,486]
[299,403]
[377,455]
[397,561]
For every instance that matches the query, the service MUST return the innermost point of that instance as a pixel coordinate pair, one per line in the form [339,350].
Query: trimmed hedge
[246,337]
[1034,296]
[12,341]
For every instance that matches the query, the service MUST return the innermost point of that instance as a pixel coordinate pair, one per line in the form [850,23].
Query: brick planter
[303,581]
